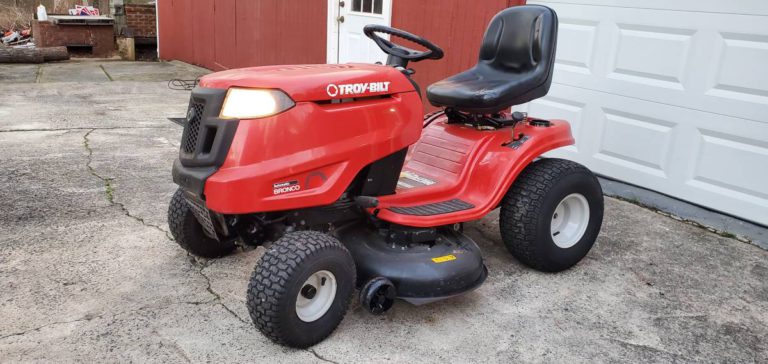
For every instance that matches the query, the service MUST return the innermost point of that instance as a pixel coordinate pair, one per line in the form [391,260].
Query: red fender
[477,167]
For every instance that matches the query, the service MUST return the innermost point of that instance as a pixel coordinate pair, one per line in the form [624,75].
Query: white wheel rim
[316,296]
[570,220]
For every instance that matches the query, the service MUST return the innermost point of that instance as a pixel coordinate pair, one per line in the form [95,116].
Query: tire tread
[523,204]
[269,283]
[188,233]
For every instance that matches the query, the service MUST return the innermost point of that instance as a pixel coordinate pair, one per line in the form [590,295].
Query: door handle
[341,4]
[340,19]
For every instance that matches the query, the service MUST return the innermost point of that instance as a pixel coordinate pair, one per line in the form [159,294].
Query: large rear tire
[300,289]
[552,214]
[188,232]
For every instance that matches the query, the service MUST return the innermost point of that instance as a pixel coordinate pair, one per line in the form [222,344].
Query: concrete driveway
[88,271]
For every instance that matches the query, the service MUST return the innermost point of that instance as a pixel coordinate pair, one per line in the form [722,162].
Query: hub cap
[316,296]
[570,220]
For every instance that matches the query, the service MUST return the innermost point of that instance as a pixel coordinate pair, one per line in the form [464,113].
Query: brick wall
[140,20]
[100,37]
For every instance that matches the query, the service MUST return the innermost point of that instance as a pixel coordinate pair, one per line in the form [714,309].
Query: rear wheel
[552,214]
[188,232]
[300,289]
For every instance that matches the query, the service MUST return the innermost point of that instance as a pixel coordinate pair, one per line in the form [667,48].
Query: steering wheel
[432,52]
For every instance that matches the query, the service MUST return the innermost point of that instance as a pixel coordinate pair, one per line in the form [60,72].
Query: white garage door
[668,95]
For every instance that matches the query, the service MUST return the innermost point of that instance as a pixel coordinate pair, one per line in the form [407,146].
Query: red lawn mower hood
[315,82]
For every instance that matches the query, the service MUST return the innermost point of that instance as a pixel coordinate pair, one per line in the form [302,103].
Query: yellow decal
[444,258]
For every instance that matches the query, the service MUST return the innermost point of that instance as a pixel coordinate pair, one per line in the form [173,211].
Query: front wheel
[552,214]
[300,289]
[188,232]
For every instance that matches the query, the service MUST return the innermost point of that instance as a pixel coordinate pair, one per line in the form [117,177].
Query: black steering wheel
[396,50]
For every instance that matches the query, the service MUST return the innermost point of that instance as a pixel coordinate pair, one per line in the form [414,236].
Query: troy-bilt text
[356,88]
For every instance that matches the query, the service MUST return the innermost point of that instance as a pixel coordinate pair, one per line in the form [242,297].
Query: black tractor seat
[517,57]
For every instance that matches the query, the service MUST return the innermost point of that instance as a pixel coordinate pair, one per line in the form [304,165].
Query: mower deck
[456,173]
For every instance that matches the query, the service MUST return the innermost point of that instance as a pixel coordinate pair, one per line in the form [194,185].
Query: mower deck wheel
[300,288]
[188,232]
[551,216]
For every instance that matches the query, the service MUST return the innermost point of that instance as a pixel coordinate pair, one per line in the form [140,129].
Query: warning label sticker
[444,258]
[409,179]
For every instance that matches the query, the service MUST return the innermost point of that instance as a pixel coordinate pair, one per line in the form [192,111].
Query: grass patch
[109,190]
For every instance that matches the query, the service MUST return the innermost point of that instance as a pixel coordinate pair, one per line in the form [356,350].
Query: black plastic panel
[450,266]
[206,138]
[432,209]
[205,141]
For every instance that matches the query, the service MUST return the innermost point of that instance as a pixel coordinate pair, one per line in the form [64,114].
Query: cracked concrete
[88,272]
[217,297]
[109,188]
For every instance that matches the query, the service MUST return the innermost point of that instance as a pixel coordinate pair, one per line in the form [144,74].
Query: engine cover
[345,118]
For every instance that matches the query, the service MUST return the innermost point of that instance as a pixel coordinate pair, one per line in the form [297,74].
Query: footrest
[432,209]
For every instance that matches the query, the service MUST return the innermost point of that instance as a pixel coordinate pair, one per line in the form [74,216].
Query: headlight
[246,103]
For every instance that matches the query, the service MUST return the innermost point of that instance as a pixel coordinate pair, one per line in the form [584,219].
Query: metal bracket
[203,216]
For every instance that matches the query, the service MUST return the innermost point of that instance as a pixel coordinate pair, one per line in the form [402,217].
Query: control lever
[367,202]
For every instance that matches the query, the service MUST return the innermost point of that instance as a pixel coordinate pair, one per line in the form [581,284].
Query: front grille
[206,138]
[194,116]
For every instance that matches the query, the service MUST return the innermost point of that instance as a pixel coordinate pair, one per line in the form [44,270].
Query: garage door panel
[667,95]
[631,62]
[716,165]
[691,59]
[576,45]
[748,7]
[557,108]
[737,53]
[713,160]
[635,141]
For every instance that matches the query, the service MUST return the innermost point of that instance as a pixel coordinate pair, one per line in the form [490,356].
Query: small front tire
[552,214]
[188,232]
[300,289]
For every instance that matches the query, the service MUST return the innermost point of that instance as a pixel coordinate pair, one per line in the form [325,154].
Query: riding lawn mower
[336,172]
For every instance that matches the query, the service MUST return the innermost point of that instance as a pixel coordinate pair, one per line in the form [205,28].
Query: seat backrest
[522,39]
[515,66]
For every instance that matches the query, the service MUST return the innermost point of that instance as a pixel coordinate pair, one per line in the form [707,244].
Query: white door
[667,95]
[346,21]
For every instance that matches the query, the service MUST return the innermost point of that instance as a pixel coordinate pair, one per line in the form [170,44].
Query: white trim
[387,11]
[157,26]
[332,32]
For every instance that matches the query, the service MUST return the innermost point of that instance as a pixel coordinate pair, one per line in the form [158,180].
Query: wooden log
[20,55]
[33,55]
[54,53]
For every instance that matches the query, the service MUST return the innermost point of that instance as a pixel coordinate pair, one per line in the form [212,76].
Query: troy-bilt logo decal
[285,187]
[356,88]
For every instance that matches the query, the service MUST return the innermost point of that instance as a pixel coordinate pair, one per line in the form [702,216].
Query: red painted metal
[311,82]
[223,34]
[474,166]
[321,146]
[457,26]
